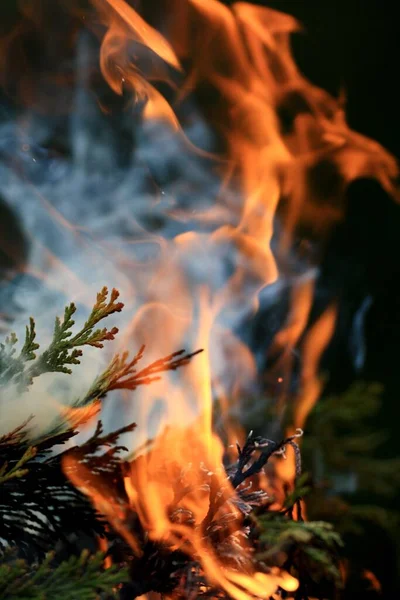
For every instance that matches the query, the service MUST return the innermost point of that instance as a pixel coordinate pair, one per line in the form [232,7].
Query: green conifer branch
[312,544]
[80,577]
[65,348]
[122,374]
[16,470]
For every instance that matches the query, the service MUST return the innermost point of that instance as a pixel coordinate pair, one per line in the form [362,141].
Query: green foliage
[355,486]
[314,545]
[12,365]
[65,348]
[122,374]
[307,549]
[16,470]
[301,490]
[349,441]
[80,577]
[65,351]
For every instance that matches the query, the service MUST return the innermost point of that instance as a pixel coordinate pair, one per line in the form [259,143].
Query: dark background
[354,46]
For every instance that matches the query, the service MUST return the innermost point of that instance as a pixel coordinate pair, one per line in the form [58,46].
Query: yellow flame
[279,132]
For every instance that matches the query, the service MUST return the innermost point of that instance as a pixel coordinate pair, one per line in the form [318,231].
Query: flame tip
[264,166]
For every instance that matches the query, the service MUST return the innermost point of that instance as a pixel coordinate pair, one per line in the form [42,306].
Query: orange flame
[242,57]
[279,134]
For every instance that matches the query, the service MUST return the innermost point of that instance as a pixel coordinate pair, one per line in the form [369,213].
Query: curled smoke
[107,197]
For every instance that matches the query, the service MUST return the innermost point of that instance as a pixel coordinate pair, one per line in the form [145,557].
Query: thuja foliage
[310,547]
[80,576]
[65,348]
[58,504]
[348,448]
[356,486]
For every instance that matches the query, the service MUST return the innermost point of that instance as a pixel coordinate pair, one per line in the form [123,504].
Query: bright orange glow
[243,55]
[278,137]
[373,580]
[103,547]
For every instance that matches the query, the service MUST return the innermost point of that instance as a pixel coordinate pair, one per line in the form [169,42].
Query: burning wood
[183,526]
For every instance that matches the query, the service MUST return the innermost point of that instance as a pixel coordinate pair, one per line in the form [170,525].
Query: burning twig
[52,501]
[254,444]
[121,373]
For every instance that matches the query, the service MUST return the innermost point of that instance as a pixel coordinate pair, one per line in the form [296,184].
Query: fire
[276,135]
[156,482]
[280,133]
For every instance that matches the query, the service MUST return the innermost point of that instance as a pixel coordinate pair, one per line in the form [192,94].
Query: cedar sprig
[11,366]
[15,437]
[7,473]
[122,373]
[101,310]
[30,346]
[82,577]
[65,348]
[99,439]
[312,548]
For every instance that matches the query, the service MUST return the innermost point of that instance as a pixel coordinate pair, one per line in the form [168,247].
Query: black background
[354,46]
